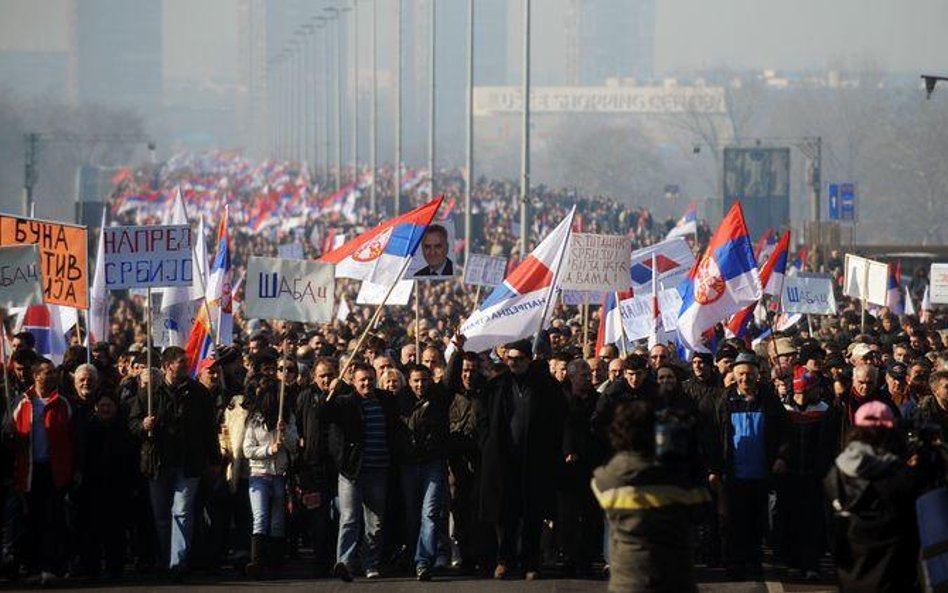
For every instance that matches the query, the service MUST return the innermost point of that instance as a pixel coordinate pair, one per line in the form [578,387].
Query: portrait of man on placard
[435,252]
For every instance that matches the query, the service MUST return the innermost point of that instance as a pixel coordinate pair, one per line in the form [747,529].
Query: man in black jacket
[746,448]
[314,469]
[422,449]
[521,457]
[179,444]
[361,441]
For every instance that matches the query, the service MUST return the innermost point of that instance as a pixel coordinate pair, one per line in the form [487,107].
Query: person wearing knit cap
[872,491]
[811,444]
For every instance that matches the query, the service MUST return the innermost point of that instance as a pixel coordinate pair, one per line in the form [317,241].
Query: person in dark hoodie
[635,384]
[873,490]
[651,543]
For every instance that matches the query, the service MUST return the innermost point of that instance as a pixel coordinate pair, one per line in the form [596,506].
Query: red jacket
[59,441]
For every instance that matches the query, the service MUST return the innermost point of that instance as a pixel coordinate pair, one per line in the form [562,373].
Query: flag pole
[477,296]
[622,348]
[148,343]
[556,276]
[368,327]
[201,268]
[417,322]
[585,316]
[3,359]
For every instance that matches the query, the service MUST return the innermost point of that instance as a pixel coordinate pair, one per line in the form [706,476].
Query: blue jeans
[423,488]
[268,505]
[172,501]
[361,512]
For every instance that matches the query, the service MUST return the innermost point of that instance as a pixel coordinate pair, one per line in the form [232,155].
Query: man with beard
[521,455]
[580,520]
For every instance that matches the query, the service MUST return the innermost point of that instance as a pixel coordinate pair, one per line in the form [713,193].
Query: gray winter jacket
[257,441]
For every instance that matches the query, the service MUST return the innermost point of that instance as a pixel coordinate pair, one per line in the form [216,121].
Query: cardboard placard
[148,256]
[21,282]
[596,262]
[64,262]
[485,270]
[289,289]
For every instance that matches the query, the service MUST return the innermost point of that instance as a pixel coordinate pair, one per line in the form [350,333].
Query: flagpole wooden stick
[865,298]
[556,275]
[585,315]
[3,359]
[148,343]
[417,323]
[622,349]
[201,267]
[88,334]
[282,396]
[477,296]
[368,327]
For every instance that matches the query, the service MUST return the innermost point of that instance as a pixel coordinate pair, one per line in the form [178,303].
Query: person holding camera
[873,490]
[651,507]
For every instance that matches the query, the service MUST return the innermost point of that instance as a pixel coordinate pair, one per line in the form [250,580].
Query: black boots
[277,555]
[258,545]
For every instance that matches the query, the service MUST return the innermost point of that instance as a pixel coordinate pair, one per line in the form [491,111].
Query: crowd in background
[482,463]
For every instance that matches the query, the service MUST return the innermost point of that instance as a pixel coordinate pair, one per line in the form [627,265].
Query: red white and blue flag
[218,296]
[673,259]
[765,246]
[610,319]
[722,283]
[687,224]
[47,324]
[894,294]
[381,254]
[516,307]
[771,276]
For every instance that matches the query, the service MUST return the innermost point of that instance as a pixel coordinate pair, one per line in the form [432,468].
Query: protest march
[193,400]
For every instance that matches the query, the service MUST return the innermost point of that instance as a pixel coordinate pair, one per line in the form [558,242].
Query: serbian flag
[799,263]
[893,298]
[200,341]
[771,276]
[721,283]
[516,307]
[47,323]
[610,319]
[765,245]
[687,224]
[219,297]
[380,255]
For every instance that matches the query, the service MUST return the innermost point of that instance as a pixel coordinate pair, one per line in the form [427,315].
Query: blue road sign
[833,201]
[847,196]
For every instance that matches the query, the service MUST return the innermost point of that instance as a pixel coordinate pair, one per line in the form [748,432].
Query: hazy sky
[901,35]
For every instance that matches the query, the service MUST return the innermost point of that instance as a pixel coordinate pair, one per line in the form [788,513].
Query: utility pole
[398,107]
[525,138]
[355,91]
[29,171]
[373,127]
[431,96]
[470,132]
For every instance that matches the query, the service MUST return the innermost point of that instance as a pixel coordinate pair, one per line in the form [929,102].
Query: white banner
[371,293]
[294,290]
[865,278]
[596,262]
[485,270]
[938,291]
[669,302]
[808,294]
[148,256]
[20,276]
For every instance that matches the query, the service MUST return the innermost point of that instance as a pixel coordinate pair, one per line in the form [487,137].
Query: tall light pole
[431,95]
[355,91]
[525,138]
[470,131]
[373,128]
[398,107]
[327,105]
[340,76]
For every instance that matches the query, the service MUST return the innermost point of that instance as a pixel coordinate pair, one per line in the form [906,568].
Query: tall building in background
[119,53]
[610,38]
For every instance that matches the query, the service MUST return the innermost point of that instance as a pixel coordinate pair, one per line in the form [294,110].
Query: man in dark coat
[521,439]
[179,445]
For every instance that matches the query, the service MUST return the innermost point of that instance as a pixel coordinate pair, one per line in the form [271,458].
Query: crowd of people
[533,458]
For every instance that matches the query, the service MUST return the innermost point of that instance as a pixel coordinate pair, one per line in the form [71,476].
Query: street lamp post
[525,138]
[355,91]
[398,108]
[431,95]
[373,124]
[470,131]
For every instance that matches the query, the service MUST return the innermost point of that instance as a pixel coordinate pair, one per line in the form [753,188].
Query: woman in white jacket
[269,445]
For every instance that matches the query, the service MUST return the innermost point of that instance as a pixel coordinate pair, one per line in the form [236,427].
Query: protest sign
[294,290]
[637,317]
[64,265]
[485,270]
[20,277]
[808,294]
[596,262]
[290,250]
[148,256]
[669,303]
[575,298]
[938,291]
[371,293]
[866,279]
